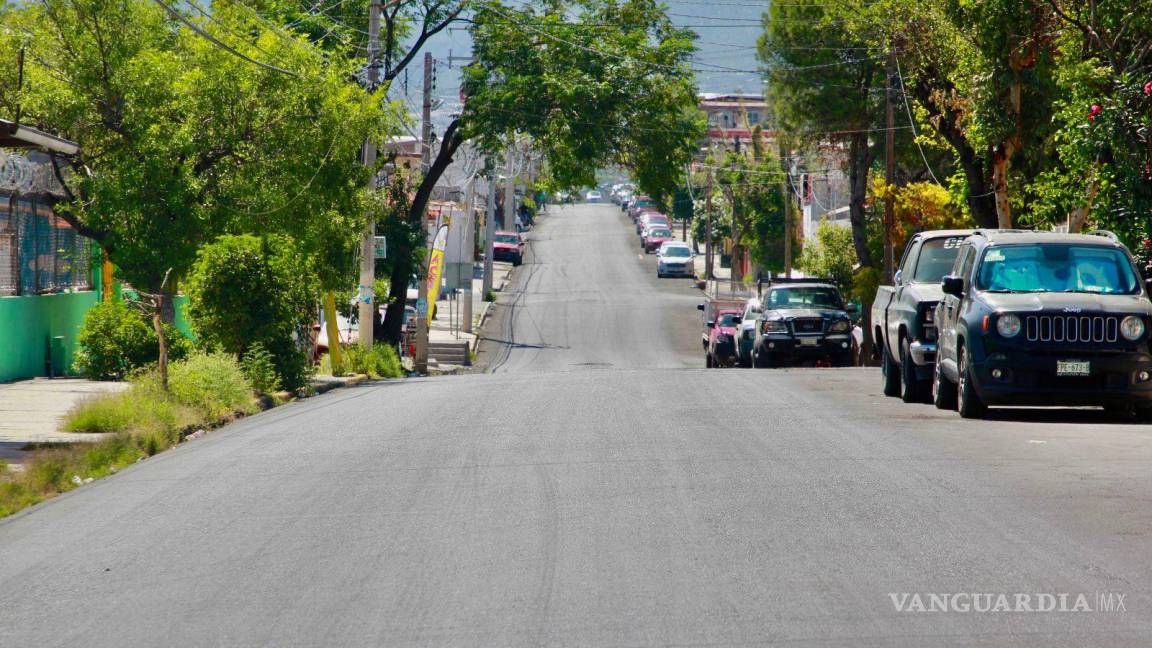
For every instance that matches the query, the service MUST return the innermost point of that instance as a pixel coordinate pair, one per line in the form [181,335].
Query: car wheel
[915,389]
[744,360]
[759,360]
[517,261]
[1143,414]
[891,373]
[708,361]
[843,360]
[967,400]
[943,390]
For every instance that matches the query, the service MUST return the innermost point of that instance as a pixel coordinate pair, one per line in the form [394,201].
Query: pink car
[508,246]
[654,237]
[651,219]
[721,351]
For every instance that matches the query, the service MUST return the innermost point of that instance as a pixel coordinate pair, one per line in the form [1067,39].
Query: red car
[651,219]
[508,246]
[721,351]
[654,237]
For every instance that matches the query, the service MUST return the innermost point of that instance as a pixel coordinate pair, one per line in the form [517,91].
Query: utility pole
[366,309]
[510,188]
[788,218]
[708,228]
[889,168]
[421,359]
[489,230]
[470,252]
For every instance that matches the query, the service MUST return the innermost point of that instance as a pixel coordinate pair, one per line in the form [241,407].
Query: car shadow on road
[1082,416]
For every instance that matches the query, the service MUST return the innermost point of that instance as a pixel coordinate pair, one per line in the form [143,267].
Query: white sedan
[675,259]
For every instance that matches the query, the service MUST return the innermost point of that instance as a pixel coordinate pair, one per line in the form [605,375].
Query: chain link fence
[40,253]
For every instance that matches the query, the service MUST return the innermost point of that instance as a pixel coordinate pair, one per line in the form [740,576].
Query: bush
[246,290]
[213,384]
[379,362]
[260,368]
[141,409]
[117,339]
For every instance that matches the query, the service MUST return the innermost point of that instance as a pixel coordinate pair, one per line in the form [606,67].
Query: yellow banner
[436,269]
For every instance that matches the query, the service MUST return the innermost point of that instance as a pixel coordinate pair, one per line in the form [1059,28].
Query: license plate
[809,341]
[1072,368]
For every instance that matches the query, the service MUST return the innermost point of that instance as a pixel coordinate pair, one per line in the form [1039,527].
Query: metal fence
[40,253]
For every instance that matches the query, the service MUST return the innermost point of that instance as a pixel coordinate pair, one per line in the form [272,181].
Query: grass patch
[204,391]
[380,361]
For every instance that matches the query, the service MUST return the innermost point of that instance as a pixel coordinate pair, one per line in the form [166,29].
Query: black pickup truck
[903,315]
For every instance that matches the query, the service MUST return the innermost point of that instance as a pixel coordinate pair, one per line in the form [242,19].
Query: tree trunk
[333,331]
[859,161]
[1000,158]
[401,272]
[162,365]
[1079,216]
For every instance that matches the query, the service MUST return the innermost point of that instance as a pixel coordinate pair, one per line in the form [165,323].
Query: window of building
[40,253]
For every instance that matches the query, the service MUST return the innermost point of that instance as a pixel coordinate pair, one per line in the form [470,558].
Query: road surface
[599,488]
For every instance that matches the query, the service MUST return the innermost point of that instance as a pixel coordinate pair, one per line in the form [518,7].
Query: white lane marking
[1037,441]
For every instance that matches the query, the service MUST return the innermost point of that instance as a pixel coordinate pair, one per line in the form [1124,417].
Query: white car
[747,328]
[594,196]
[675,259]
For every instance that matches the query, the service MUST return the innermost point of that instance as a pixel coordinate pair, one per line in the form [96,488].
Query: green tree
[831,256]
[193,126]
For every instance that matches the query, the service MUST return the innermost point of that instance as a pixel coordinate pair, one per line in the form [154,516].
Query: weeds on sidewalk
[206,390]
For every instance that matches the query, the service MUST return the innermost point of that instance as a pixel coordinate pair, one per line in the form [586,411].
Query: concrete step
[450,352]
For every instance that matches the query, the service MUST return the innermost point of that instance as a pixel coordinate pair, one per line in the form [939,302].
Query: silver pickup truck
[903,314]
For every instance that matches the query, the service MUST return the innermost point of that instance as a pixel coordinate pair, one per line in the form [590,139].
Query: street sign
[421,307]
[381,246]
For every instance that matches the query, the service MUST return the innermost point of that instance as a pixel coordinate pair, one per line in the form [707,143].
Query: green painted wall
[28,323]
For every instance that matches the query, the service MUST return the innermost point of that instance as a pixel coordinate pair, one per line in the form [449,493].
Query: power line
[217,42]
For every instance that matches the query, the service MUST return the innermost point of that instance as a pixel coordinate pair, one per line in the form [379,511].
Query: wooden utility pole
[510,188]
[489,230]
[421,359]
[708,227]
[366,302]
[889,168]
[786,192]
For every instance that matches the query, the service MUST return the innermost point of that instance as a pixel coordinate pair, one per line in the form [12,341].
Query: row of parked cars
[789,322]
[979,318]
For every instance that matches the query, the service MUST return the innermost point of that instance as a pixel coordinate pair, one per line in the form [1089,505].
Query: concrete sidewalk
[31,410]
[448,326]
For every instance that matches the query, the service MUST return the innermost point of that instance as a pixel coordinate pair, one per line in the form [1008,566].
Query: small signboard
[422,307]
[381,246]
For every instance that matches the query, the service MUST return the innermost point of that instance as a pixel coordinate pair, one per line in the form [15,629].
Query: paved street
[597,488]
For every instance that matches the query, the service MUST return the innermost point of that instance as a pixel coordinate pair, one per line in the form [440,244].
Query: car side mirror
[852,309]
[897,278]
[952,285]
[1148,285]
[699,307]
[711,323]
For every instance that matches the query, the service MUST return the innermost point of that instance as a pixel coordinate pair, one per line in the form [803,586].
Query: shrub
[140,409]
[379,362]
[260,369]
[245,290]
[213,384]
[117,339]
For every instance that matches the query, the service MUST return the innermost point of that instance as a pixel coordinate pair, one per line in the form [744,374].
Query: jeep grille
[1071,328]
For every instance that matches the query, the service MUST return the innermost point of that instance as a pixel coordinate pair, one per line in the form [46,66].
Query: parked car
[639,205]
[716,300]
[675,259]
[746,337]
[721,349]
[594,196]
[650,219]
[654,237]
[903,315]
[508,246]
[803,320]
[1034,318]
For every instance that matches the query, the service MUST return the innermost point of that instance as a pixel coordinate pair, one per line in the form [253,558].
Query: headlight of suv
[1132,327]
[840,326]
[775,326]
[1008,325]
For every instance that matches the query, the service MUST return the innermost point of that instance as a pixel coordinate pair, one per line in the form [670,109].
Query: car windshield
[1057,267]
[727,319]
[659,233]
[677,251]
[507,238]
[803,297]
[936,259]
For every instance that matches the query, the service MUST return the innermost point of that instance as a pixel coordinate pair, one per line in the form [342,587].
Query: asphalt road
[597,489]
